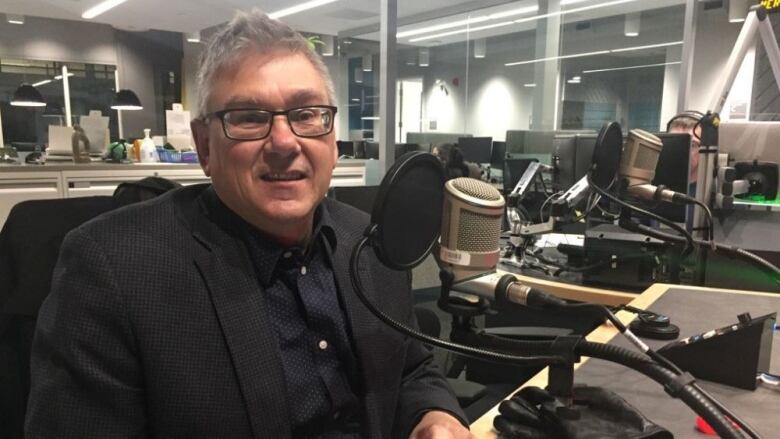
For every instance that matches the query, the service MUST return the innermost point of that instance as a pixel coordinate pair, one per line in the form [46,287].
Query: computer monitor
[400,149]
[372,150]
[564,158]
[498,154]
[476,149]
[672,172]
[515,141]
[583,158]
[346,148]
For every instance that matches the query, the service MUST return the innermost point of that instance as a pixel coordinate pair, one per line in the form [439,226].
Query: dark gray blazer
[156,327]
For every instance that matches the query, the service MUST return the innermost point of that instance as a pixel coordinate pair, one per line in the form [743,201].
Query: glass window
[26,127]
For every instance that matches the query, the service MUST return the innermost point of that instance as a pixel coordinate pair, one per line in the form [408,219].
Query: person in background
[226,310]
[452,159]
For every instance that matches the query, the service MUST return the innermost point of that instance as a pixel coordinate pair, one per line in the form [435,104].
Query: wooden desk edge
[483,427]
[577,292]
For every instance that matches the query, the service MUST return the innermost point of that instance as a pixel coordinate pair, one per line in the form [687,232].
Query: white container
[148,149]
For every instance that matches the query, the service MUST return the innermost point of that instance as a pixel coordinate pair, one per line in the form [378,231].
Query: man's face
[274,183]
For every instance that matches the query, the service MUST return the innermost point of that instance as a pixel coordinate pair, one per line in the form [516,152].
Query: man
[226,310]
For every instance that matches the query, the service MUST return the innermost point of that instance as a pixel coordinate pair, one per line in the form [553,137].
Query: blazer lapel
[249,335]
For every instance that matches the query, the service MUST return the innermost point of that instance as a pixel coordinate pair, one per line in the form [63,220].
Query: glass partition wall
[478,68]
[547,65]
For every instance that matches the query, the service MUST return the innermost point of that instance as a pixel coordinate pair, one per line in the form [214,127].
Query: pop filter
[406,217]
[606,155]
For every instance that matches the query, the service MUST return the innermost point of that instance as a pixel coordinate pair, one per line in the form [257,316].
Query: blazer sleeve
[86,379]
[423,389]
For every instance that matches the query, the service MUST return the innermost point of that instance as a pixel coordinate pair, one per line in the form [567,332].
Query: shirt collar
[264,251]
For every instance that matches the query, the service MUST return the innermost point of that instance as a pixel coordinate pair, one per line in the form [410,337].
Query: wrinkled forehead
[263,78]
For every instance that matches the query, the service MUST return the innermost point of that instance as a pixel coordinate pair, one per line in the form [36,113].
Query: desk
[648,396]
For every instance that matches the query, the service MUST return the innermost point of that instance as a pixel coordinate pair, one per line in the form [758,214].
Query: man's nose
[282,139]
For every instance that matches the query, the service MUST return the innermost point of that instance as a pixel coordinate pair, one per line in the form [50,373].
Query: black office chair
[29,247]
[467,392]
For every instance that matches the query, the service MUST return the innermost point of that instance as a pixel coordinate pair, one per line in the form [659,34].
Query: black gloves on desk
[532,413]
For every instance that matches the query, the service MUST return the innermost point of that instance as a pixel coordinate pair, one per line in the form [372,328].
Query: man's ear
[200,132]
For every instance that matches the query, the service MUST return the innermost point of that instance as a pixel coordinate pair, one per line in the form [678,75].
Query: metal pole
[387,76]
[118,112]
[66,95]
[686,65]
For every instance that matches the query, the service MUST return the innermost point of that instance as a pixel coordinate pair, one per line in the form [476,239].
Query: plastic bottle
[148,150]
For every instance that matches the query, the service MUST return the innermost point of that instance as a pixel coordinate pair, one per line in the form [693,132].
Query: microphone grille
[476,188]
[478,232]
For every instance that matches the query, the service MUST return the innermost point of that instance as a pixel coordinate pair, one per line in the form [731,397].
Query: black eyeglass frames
[255,124]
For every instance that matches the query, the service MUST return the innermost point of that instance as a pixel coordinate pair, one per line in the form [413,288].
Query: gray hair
[252,30]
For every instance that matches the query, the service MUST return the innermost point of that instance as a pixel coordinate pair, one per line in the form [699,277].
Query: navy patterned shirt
[314,337]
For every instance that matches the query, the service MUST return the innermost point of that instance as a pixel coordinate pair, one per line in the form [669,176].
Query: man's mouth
[283,176]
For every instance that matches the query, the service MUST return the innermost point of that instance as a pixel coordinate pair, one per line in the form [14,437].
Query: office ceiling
[351,17]
[194,15]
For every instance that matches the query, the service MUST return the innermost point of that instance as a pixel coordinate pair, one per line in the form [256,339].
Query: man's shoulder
[346,216]
[153,217]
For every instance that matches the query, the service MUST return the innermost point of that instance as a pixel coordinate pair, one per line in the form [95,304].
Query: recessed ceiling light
[101,8]
[599,52]
[299,8]
[15,18]
[644,66]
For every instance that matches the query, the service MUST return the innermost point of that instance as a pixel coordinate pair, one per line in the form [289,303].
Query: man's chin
[290,212]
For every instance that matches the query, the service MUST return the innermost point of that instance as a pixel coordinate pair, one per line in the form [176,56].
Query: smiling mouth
[283,176]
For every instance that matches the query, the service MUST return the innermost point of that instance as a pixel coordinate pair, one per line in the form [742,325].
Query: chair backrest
[30,244]
[29,247]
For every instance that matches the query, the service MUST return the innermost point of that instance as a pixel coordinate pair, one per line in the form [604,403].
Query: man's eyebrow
[242,102]
[307,96]
[302,97]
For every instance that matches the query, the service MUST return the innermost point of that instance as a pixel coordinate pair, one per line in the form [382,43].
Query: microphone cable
[689,243]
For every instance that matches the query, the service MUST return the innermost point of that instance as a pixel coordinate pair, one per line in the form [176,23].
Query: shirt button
[287,254]
[303,270]
[323,344]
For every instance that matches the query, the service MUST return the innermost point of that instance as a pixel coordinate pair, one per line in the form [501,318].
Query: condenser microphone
[637,169]
[470,228]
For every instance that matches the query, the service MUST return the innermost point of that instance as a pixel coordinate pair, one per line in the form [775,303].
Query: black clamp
[675,386]
[561,376]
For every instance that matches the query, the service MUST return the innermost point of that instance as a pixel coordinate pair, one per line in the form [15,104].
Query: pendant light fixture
[27,96]
[126,100]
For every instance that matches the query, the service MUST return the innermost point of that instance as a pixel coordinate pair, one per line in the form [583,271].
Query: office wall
[715,38]
[143,60]
[58,40]
[136,55]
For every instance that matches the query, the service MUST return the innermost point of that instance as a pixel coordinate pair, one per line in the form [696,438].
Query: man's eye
[249,118]
[306,115]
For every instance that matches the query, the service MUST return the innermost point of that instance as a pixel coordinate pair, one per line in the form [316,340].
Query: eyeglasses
[255,124]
